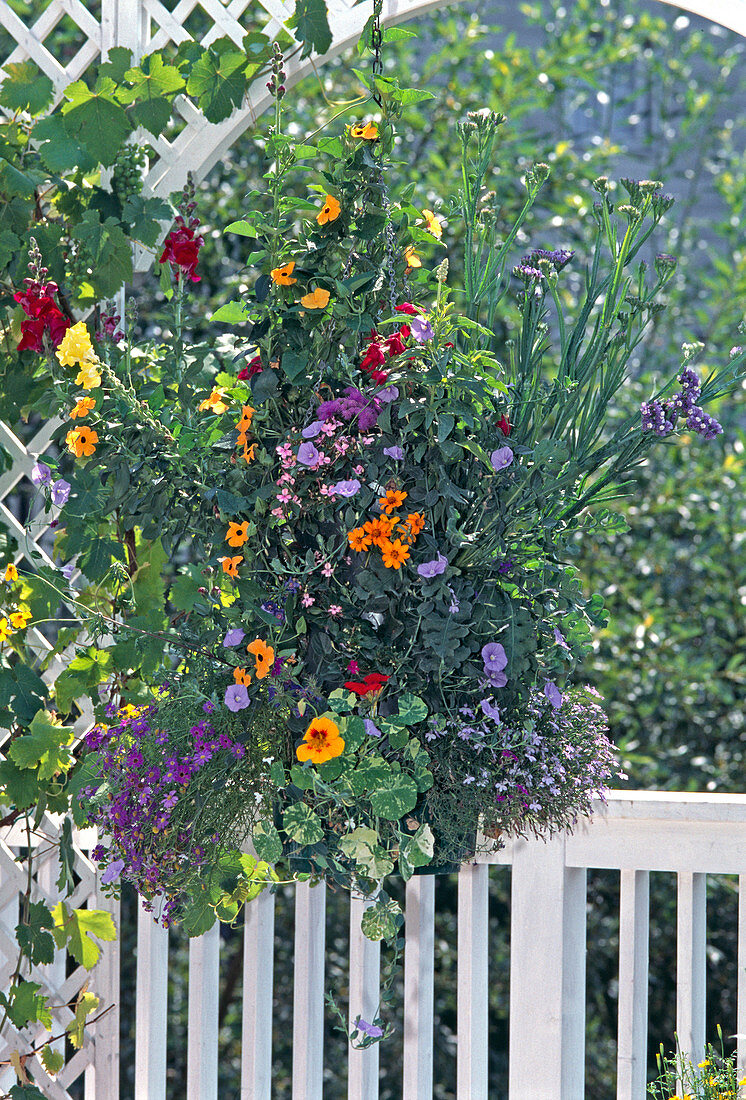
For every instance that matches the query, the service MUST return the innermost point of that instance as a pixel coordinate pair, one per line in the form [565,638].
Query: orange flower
[321,742]
[330,211]
[82,407]
[316,299]
[249,452]
[433,225]
[394,554]
[241,676]
[416,522]
[247,415]
[264,655]
[11,573]
[410,255]
[230,565]
[378,529]
[282,275]
[368,131]
[19,619]
[238,533]
[393,499]
[214,402]
[82,442]
[359,539]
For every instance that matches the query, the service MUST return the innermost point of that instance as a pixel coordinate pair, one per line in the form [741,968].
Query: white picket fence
[636,833]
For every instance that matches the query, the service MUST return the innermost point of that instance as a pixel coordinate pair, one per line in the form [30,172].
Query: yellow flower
[82,442]
[263,654]
[88,377]
[214,402]
[19,619]
[11,573]
[75,347]
[368,131]
[330,211]
[703,1065]
[282,275]
[321,741]
[316,299]
[238,533]
[432,223]
[82,407]
[410,255]
[5,631]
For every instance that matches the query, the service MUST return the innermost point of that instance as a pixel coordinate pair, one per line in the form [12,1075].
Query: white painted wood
[202,1043]
[151,1004]
[634,912]
[308,992]
[547,987]
[741,979]
[472,990]
[691,959]
[104,1080]
[418,988]
[258,971]
[365,981]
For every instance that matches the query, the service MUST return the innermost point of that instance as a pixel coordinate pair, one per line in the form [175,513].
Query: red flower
[504,425]
[394,344]
[374,681]
[405,331]
[254,367]
[379,376]
[181,249]
[374,356]
[42,315]
[406,307]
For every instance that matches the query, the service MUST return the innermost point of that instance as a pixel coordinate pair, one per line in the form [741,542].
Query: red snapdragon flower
[42,315]
[406,307]
[504,425]
[181,248]
[394,344]
[374,681]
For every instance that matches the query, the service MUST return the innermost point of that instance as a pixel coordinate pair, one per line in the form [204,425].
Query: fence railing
[637,832]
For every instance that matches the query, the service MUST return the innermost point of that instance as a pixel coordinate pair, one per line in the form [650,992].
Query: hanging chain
[376,42]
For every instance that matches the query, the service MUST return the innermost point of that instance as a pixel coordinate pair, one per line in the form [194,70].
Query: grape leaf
[311,24]
[25,88]
[218,79]
[96,119]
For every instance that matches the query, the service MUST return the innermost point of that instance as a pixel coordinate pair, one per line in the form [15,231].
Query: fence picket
[258,974]
[151,1004]
[102,1078]
[741,979]
[308,992]
[365,980]
[418,988]
[634,931]
[691,961]
[472,995]
[202,1043]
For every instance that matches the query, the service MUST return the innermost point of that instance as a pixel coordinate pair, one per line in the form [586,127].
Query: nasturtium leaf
[96,119]
[267,841]
[398,736]
[396,796]
[363,846]
[25,87]
[232,313]
[75,928]
[381,920]
[218,79]
[303,778]
[352,730]
[418,849]
[302,824]
[412,709]
[311,24]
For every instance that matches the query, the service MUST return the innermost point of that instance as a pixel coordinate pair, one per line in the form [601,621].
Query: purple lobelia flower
[236,697]
[60,492]
[307,454]
[433,568]
[501,458]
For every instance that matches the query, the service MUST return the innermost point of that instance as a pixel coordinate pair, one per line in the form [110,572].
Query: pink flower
[278,512]
[307,600]
[284,496]
[327,570]
[284,450]
[353,666]
[359,470]
[329,427]
[328,491]
[335,610]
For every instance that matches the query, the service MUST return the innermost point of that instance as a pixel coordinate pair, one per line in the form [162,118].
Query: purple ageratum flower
[234,637]
[421,330]
[346,488]
[433,568]
[494,657]
[501,458]
[394,452]
[41,474]
[307,454]
[371,729]
[312,430]
[489,710]
[112,872]
[373,1031]
[553,694]
[236,697]
[60,492]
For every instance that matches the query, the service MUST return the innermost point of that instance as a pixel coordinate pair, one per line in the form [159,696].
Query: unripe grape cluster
[127,175]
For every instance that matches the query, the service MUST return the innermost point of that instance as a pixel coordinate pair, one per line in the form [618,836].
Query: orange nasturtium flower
[5,631]
[393,499]
[230,565]
[214,402]
[282,275]
[88,377]
[248,452]
[11,573]
[416,522]
[241,676]
[316,299]
[82,442]
[330,211]
[368,131]
[410,255]
[394,554]
[19,619]
[247,415]
[359,539]
[432,224]
[82,407]
[264,656]
[321,742]
[238,533]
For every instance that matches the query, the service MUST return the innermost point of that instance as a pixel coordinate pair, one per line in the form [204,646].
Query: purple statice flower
[528,273]
[489,710]
[501,458]
[371,729]
[421,329]
[41,474]
[433,568]
[236,697]
[553,694]
[373,1031]
[60,492]
[346,488]
[655,417]
[703,424]
[307,454]
[112,872]
[557,257]
[312,429]
[394,452]
[234,637]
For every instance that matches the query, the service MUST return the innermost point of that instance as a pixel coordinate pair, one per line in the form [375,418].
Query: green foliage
[74,930]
